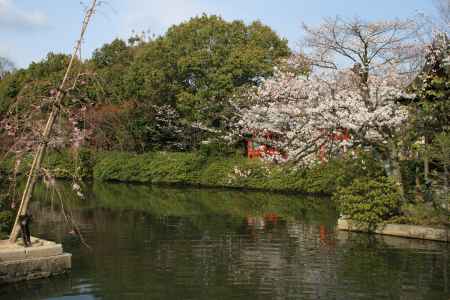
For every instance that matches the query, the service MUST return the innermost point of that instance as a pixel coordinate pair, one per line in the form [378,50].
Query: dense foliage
[197,65]
[174,109]
[6,215]
[369,201]
[6,219]
[129,96]
[432,87]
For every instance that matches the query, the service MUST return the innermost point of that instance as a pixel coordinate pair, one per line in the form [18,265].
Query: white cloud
[14,17]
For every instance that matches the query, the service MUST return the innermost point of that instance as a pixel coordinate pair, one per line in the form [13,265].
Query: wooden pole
[36,165]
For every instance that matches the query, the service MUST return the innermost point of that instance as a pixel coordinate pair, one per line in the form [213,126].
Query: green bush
[61,164]
[156,167]
[208,168]
[6,218]
[194,168]
[216,149]
[424,214]
[85,163]
[212,165]
[369,201]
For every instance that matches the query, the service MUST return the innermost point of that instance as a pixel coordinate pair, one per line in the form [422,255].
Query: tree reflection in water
[168,243]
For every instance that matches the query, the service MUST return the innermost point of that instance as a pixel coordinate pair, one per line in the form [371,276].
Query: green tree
[194,68]
[110,63]
[27,87]
[197,65]
[433,89]
[432,106]
[440,154]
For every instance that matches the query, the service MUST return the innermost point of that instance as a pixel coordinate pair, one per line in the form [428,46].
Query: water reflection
[163,243]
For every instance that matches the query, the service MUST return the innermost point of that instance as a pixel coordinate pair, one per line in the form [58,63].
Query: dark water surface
[167,243]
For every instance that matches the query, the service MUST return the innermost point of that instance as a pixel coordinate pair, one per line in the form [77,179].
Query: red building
[261,144]
[339,135]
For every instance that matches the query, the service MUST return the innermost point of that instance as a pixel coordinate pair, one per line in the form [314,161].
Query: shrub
[369,201]
[216,148]
[209,168]
[326,178]
[6,218]
[63,164]
[85,163]
[424,214]
[155,167]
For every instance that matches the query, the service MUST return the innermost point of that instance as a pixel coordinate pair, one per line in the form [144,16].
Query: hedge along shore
[194,169]
[235,171]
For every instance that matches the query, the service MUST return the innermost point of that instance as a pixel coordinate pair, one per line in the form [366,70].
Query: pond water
[183,243]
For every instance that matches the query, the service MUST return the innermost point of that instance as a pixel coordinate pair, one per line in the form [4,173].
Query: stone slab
[34,268]
[400,230]
[41,260]
[344,236]
[39,248]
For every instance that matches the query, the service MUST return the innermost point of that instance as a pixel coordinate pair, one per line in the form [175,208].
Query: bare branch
[369,44]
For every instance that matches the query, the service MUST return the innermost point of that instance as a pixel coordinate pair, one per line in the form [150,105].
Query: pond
[184,243]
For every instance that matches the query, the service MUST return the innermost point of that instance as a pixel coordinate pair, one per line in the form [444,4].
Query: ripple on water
[227,245]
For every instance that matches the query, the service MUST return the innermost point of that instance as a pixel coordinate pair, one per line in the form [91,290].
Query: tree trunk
[419,195]
[426,160]
[396,169]
[446,187]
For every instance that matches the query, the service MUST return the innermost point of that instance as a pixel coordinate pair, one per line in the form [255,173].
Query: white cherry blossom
[307,114]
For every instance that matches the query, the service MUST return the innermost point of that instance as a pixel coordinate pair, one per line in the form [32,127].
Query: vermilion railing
[254,152]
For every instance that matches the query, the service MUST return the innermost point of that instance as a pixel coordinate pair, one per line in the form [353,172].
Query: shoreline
[398,230]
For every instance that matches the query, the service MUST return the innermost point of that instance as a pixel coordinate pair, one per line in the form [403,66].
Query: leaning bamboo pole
[56,107]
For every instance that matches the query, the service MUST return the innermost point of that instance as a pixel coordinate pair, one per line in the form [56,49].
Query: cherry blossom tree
[338,41]
[305,112]
[443,15]
[359,72]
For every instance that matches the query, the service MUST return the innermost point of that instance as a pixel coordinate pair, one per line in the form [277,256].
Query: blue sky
[29,29]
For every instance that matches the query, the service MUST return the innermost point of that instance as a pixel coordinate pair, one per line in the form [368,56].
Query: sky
[29,29]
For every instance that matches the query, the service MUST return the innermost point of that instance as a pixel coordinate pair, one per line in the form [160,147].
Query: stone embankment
[43,259]
[400,230]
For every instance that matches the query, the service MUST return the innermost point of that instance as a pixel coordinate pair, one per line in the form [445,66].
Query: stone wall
[42,260]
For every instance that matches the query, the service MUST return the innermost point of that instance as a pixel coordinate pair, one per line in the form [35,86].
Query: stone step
[39,248]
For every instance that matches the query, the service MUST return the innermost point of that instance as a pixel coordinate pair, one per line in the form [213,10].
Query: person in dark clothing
[24,222]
